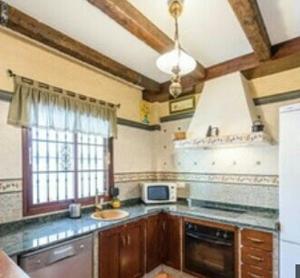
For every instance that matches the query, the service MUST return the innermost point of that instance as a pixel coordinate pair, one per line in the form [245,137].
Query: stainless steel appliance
[70,259]
[75,210]
[209,252]
[159,192]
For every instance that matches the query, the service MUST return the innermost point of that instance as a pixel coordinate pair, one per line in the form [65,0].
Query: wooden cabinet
[163,241]
[109,257]
[154,241]
[172,227]
[132,251]
[257,254]
[121,251]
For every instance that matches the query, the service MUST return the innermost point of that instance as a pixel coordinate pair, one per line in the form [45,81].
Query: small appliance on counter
[159,192]
[75,210]
[114,193]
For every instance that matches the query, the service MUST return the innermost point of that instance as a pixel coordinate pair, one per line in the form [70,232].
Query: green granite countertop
[18,239]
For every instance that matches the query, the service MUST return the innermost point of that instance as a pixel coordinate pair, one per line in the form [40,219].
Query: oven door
[158,193]
[209,257]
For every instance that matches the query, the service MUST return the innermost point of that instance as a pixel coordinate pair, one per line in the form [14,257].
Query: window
[60,167]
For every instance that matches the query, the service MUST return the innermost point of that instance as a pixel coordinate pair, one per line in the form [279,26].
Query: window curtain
[36,104]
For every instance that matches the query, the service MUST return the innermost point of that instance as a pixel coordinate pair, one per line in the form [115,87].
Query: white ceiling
[282,19]
[209,29]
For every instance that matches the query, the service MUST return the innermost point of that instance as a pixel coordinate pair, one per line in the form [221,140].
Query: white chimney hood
[225,103]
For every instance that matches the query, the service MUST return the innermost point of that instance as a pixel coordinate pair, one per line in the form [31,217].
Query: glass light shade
[175,89]
[169,60]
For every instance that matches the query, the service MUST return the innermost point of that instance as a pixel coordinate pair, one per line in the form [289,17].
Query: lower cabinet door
[132,251]
[109,254]
[154,243]
[172,240]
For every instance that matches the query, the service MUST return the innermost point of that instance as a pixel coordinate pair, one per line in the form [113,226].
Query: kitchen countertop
[33,236]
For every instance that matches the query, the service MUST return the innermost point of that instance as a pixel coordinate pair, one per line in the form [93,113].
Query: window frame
[32,209]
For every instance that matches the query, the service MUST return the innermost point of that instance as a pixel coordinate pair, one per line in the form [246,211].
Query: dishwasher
[73,258]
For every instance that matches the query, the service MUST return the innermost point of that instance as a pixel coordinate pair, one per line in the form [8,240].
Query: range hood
[225,103]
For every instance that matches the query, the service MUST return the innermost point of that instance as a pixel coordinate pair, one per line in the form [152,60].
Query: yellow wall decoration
[145,112]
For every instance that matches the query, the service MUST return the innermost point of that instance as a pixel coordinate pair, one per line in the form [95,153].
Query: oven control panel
[196,229]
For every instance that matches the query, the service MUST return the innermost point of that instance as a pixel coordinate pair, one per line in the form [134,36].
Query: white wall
[133,150]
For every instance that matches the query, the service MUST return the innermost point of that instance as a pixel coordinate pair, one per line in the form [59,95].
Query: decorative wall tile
[134,176]
[238,194]
[264,180]
[257,138]
[269,180]
[10,185]
[11,207]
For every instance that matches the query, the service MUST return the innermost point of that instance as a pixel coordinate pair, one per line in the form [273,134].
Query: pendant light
[176,62]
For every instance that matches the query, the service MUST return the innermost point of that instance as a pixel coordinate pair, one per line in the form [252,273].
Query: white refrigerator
[289,189]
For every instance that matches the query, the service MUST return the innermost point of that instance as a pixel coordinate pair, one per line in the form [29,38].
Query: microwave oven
[159,192]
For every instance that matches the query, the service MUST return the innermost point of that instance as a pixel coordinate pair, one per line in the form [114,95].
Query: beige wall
[28,59]
[276,83]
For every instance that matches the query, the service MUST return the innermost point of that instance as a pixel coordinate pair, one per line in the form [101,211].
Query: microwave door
[158,193]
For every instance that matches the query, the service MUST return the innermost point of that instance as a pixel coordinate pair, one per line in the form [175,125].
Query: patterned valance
[36,104]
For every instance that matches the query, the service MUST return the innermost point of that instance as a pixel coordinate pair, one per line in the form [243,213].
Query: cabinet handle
[128,239]
[254,275]
[258,259]
[255,240]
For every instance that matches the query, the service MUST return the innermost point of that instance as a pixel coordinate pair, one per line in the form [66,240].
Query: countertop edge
[143,216]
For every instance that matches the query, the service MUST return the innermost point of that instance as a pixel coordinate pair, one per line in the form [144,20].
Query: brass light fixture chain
[176,62]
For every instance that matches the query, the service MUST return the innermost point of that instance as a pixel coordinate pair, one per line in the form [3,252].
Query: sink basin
[110,215]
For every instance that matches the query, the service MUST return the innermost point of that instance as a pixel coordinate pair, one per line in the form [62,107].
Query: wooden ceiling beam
[135,22]
[20,22]
[237,64]
[250,18]
[286,56]
[140,26]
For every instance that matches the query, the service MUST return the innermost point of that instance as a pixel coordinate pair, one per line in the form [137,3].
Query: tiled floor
[167,272]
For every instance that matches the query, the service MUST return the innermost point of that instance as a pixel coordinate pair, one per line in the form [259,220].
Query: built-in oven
[209,251]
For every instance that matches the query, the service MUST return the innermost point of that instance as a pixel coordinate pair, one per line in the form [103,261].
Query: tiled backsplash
[237,194]
[251,190]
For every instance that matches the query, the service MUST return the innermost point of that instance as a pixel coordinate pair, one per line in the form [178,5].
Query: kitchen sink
[110,215]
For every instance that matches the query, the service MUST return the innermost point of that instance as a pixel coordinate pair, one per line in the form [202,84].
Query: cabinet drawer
[257,239]
[257,257]
[251,271]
